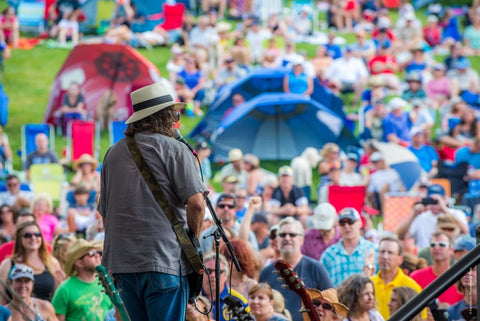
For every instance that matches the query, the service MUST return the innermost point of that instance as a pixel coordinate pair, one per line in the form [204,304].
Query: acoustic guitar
[295,284]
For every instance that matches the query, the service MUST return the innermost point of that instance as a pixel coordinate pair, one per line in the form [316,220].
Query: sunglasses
[210,271]
[176,117]
[292,235]
[325,306]
[90,253]
[31,235]
[345,222]
[225,205]
[273,235]
[441,244]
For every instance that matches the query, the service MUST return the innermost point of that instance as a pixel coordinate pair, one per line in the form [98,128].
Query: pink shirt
[439,88]
[313,245]
[47,224]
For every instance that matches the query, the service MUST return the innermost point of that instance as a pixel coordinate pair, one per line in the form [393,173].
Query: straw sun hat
[329,295]
[85,159]
[76,251]
[150,99]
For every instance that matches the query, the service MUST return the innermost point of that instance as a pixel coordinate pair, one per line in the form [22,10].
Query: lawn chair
[115,130]
[82,138]
[172,16]
[347,196]
[31,15]
[28,133]
[266,8]
[47,178]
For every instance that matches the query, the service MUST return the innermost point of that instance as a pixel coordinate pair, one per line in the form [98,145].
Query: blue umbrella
[279,126]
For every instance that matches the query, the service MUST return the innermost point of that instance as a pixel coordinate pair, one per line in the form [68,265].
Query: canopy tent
[279,126]
[101,69]
[258,81]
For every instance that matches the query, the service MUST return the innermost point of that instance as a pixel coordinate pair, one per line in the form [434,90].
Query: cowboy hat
[329,295]
[76,251]
[150,99]
[85,159]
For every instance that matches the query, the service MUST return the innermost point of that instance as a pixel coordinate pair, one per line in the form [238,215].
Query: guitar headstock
[107,284]
[295,284]
[289,276]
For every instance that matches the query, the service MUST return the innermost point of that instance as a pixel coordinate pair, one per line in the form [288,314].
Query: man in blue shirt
[470,155]
[396,124]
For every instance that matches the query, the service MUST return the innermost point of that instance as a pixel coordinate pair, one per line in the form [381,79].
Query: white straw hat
[150,99]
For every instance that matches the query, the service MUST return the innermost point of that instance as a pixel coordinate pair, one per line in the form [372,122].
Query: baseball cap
[349,213]
[436,189]
[416,130]
[465,244]
[21,271]
[230,179]
[259,218]
[352,156]
[462,63]
[285,170]
[396,103]
[376,156]
[409,15]
[324,216]
[235,155]
[413,76]
[226,198]
[201,145]
[439,66]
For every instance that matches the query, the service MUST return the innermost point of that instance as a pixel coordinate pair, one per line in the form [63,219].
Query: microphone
[179,137]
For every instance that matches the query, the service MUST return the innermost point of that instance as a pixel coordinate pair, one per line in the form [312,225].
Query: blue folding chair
[115,130]
[28,133]
[31,16]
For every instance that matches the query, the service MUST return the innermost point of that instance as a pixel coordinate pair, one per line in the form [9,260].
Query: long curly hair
[243,254]
[351,290]
[160,122]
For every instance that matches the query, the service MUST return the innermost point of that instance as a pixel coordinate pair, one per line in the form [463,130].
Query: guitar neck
[112,292]
[295,284]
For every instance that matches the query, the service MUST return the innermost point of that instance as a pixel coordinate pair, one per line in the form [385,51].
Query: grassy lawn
[28,76]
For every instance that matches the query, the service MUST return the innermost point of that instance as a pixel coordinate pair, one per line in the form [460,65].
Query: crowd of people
[351,270]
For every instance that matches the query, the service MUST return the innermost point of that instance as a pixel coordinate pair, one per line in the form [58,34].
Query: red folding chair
[173,16]
[347,196]
[82,138]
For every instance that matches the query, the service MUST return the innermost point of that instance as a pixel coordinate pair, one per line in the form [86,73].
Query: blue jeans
[153,296]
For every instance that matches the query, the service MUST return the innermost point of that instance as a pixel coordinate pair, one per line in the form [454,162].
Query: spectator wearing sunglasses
[353,253]
[23,305]
[441,250]
[290,238]
[226,211]
[81,296]
[30,247]
[326,305]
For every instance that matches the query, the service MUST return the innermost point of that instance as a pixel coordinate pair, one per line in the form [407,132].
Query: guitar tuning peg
[280,279]
[304,310]
[276,272]
[285,286]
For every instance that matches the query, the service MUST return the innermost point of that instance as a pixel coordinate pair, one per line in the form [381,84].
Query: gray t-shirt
[138,235]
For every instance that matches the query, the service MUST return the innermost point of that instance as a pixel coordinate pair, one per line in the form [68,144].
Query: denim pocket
[162,282]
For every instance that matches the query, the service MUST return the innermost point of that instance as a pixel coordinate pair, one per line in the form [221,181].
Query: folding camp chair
[173,16]
[31,16]
[115,130]
[28,133]
[82,138]
[47,178]
[347,196]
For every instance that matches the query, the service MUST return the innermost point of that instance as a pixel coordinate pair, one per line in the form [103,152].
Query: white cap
[324,216]
[376,156]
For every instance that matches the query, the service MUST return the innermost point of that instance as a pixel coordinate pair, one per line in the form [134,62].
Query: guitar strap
[162,201]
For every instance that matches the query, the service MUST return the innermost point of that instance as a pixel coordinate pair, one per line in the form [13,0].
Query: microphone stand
[219,233]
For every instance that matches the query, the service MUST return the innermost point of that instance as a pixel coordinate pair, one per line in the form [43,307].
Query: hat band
[152,102]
